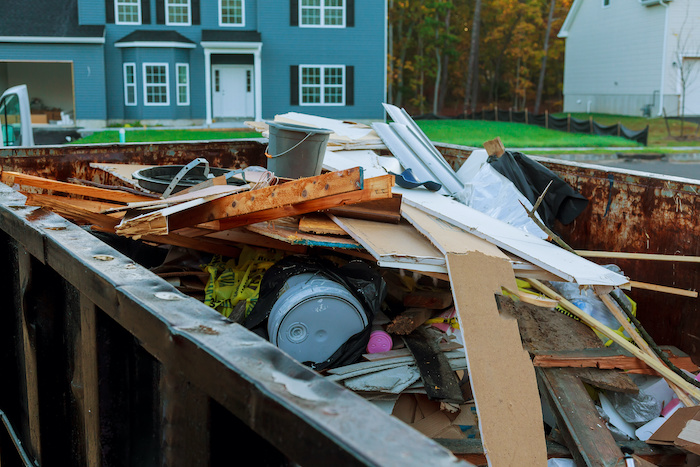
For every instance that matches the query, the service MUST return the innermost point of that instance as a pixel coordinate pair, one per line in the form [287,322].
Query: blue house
[195,61]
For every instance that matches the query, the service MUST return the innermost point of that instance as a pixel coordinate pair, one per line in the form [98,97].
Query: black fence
[545,120]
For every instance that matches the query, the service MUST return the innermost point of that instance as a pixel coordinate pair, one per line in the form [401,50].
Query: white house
[632,57]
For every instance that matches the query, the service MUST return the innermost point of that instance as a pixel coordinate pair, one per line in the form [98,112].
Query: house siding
[286,45]
[91,12]
[613,58]
[88,71]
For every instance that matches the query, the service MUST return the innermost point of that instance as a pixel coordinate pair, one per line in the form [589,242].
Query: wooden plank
[664,289]
[583,429]
[85,382]
[592,359]
[380,210]
[12,178]
[398,245]
[288,231]
[639,256]
[241,204]
[408,321]
[320,224]
[432,299]
[398,353]
[36,199]
[374,188]
[208,193]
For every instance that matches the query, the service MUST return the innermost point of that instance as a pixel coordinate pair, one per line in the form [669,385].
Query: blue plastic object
[406,179]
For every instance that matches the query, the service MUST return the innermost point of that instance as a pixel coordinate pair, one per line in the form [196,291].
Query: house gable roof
[44,18]
[575,7]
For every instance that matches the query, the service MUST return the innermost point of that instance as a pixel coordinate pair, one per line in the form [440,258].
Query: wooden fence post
[590,123]
[568,123]
[495,113]
[546,119]
[526,119]
[618,128]
[510,114]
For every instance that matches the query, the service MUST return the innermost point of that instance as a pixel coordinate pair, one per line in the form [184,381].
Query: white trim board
[550,257]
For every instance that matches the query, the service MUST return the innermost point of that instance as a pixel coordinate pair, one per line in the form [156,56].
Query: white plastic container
[313,317]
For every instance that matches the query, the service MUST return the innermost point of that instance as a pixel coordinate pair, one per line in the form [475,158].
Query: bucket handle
[270,156]
[183,171]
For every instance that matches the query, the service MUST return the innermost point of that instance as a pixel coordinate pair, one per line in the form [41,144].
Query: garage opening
[50,86]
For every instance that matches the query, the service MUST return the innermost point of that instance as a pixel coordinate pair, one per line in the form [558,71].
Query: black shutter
[160,11]
[349,85]
[109,11]
[145,12]
[195,12]
[294,85]
[350,13]
[294,12]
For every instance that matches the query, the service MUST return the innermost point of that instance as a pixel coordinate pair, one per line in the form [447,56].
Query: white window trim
[116,14]
[178,85]
[602,3]
[345,16]
[322,68]
[167,85]
[167,14]
[230,25]
[127,85]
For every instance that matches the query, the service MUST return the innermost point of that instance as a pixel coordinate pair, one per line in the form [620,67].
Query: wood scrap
[397,353]
[80,181]
[12,178]
[381,210]
[36,199]
[208,193]
[408,321]
[320,224]
[431,299]
[287,230]
[495,147]
[638,256]
[664,289]
[374,188]
[241,204]
[438,377]
[606,358]
[242,235]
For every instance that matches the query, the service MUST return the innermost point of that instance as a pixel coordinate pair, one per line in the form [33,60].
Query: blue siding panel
[91,12]
[88,71]
[361,46]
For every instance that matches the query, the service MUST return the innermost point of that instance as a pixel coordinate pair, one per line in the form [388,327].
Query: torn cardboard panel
[500,371]
[682,429]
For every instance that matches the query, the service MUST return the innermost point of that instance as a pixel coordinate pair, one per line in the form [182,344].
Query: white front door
[233,93]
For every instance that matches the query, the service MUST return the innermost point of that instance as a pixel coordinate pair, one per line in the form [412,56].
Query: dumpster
[107,364]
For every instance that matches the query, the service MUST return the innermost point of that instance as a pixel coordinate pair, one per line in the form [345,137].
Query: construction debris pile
[381,273]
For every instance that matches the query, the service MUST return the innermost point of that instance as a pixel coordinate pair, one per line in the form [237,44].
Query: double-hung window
[322,13]
[183,83]
[155,84]
[322,85]
[128,11]
[178,12]
[130,84]
[231,13]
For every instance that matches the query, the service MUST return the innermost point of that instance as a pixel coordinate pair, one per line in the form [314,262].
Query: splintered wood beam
[12,178]
[241,204]
[375,188]
[107,223]
[598,358]
[409,320]
[495,147]
[36,199]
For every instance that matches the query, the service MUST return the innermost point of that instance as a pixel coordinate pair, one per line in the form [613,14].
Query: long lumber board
[12,178]
[376,188]
[500,370]
[240,204]
[550,257]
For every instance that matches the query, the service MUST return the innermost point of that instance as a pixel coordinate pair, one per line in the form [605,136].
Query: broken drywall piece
[393,380]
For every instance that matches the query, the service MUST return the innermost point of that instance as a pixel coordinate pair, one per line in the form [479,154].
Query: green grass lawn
[475,132]
[150,136]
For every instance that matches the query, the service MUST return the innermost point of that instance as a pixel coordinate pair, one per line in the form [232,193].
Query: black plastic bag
[561,202]
[356,276]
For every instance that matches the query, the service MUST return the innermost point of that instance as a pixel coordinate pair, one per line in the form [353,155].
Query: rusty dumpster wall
[104,363]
